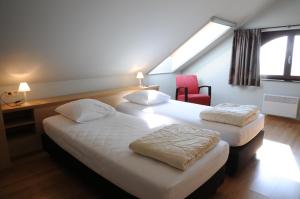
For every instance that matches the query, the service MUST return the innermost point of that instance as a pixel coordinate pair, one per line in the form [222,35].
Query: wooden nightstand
[20,131]
[4,154]
[151,87]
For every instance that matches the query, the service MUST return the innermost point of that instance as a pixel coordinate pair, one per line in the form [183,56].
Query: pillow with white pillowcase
[148,97]
[84,110]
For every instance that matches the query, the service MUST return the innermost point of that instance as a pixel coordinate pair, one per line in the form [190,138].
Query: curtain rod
[286,26]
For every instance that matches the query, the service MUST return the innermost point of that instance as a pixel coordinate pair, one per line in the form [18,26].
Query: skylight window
[192,47]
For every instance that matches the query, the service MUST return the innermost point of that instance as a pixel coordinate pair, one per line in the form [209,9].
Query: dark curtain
[244,69]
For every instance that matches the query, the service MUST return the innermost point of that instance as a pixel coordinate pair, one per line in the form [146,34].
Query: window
[272,56]
[192,47]
[279,55]
[296,57]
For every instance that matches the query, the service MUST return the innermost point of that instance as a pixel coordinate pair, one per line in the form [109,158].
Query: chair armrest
[186,91]
[209,89]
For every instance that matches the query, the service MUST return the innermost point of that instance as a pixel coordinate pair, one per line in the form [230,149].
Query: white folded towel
[176,145]
[234,114]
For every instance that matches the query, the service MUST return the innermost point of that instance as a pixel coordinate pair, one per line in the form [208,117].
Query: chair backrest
[189,81]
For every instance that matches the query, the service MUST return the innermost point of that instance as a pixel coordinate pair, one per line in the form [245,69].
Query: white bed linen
[189,113]
[102,145]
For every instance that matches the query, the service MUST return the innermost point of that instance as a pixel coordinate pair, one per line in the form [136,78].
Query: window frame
[270,35]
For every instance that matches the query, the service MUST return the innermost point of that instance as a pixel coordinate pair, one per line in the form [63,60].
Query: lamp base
[141,83]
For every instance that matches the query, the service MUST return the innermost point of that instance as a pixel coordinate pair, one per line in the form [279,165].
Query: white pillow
[148,97]
[84,110]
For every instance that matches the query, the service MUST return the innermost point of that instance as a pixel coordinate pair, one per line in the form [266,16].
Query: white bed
[102,145]
[189,113]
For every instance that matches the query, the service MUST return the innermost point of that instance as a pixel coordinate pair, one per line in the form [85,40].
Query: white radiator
[285,106]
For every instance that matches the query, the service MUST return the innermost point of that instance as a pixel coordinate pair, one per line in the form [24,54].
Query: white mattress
[189,113]
[102,145]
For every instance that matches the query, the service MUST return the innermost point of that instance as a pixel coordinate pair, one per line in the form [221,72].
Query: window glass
[272,56]
[197,43]
[296,57]
[202,39]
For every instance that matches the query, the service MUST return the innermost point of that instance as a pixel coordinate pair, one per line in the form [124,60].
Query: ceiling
[51,40]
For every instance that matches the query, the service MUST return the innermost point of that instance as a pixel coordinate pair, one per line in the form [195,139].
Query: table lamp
[140,76]
[24,87]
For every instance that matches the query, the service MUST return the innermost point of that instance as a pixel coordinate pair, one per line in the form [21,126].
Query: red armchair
[188,90]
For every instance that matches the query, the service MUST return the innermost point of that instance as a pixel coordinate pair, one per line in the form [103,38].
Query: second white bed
[102,145]
[189,113]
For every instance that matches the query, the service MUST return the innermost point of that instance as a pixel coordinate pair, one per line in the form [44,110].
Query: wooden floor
[274,173]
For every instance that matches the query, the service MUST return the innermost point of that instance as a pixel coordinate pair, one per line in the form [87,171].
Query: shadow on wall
[167,82]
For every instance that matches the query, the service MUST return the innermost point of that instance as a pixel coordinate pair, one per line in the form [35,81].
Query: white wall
[68,46]
[45,41]
[166,82]
[280,13]
[213,68]
[58,88]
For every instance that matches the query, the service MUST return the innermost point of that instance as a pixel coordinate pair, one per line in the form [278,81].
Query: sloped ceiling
[53,40]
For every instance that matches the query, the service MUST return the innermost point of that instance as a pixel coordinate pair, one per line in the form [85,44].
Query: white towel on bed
[234,114]
[176,145]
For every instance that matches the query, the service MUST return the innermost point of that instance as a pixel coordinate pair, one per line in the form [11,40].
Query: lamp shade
[139,75]
[24,87]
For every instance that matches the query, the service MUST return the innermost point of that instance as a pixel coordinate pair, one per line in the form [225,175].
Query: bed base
[240,156]
[107,188]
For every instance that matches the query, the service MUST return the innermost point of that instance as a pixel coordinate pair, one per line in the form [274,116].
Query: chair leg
[186,99]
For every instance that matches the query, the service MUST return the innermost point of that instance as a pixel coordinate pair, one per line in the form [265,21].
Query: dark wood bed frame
[240,156]
[110,190]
